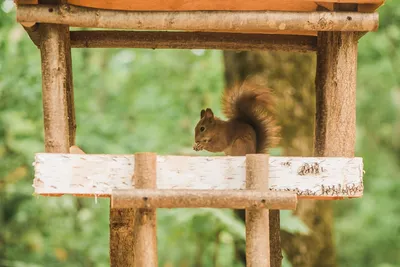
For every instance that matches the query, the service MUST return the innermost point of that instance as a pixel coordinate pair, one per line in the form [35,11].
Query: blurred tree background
[130,100]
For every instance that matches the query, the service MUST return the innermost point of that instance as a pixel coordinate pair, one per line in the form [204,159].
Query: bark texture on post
[56,81]
[144,231]
[335,129]
[257,221]
[335,125]
[121,237]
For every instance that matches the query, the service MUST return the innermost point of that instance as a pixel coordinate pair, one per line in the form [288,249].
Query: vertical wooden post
[335,131]
[335,125]
[257,220]
[133,237]
[56,78]
[145,232]
[121,237]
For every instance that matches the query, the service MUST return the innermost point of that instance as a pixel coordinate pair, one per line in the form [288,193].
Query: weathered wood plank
[205,21]
[87,174]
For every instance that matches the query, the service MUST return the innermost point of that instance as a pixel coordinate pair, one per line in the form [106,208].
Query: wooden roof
[233,5]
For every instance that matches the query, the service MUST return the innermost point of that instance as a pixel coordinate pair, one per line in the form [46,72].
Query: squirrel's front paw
[197,146]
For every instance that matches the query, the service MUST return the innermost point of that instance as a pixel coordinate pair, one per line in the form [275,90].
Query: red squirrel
[250,128]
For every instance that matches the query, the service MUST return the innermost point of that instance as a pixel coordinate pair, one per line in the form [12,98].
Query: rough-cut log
[189,40]
[223,199]
[175,5]
[257,220]
[336,94]
[56,79]
[121,237]
[208,21]
[335,122]
[98,175]
[144,231]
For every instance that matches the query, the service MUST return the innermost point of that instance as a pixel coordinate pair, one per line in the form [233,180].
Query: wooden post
[145,232]
[257,221]
[57,87]
[121,237]
[133,240]
[335,131]
[335,125]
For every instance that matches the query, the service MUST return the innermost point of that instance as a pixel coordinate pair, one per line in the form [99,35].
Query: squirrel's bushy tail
[252,103]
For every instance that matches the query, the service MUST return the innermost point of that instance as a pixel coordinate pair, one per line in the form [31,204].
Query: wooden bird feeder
[139,184]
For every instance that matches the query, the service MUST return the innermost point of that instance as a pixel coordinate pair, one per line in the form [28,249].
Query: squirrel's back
[252,103]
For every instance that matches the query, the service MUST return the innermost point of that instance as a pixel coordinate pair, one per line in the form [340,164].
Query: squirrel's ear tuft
[209,114]
[202,113]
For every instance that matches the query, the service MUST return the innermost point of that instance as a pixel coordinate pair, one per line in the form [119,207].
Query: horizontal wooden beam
[206,21]
[191,40]
[223,199]
[98,175]
[178,5]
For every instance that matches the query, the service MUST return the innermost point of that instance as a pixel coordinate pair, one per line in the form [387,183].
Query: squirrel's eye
[202,128]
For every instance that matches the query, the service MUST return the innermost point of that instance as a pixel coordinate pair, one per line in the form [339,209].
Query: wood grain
[191,40]
[179,5]
[98,175]
[56,80]
[335,124]
[144,231]
[205,21]
[257,220]
[222,199]
[336,94]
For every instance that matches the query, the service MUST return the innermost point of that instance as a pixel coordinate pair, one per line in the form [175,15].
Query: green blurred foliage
[130,100]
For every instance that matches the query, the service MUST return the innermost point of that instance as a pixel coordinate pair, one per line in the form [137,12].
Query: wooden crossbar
[223,199]
[191,40]
[206,21]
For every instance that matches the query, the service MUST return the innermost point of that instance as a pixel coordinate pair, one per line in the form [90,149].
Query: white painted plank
[88,174]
